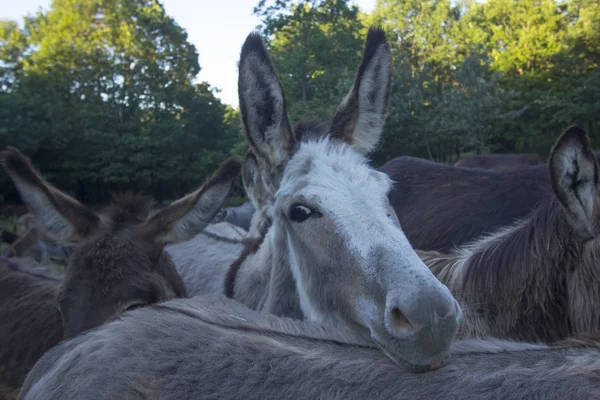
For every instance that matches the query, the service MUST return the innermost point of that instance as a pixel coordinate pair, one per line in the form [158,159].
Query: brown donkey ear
[62,215]
[360,117]
[574,179]
[189,215]
[263,109]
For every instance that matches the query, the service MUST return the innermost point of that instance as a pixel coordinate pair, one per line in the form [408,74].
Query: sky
[217,28]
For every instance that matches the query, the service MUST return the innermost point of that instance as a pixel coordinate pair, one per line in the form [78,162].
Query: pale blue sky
[216,27]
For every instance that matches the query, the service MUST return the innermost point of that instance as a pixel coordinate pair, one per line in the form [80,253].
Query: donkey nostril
[399,322]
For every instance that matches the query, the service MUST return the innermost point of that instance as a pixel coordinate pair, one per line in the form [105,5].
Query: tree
[101,96]
[326,38]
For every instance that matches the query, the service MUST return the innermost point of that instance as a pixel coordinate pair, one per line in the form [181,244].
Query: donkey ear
[258,192]
[361,116]
[254,183]
[263,107]
[189,215]
[62,215]
[574,179]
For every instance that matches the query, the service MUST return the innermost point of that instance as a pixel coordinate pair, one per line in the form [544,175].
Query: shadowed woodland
[101,94]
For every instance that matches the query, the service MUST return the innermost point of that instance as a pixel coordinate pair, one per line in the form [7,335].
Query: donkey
[500,162]
[217,348]
[537,279]
[34,239]
[118,263]
[441,206]
[240,216]
[333,251]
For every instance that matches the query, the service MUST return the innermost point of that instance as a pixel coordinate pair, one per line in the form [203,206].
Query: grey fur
[215,348]
[349,263]
[240,216]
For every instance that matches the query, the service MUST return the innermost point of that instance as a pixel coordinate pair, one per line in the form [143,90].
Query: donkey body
[240,216]
[537,279]
[217,348]
[118,263]
[500,162]
[441,207]
[25,288]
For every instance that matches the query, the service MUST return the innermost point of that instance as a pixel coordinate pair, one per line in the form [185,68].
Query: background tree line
[100,93]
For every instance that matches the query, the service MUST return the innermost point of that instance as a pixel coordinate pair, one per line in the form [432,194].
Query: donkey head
[575,181]
[118,262]
[351,262]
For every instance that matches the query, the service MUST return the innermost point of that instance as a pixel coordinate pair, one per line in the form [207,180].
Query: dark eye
[299,213]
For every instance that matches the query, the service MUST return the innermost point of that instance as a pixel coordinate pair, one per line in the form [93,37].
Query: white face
[332,223]
[352,263]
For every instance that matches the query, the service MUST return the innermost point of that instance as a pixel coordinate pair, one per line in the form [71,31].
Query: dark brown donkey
[441,206]
[117,263]
[500,162]
[538,279]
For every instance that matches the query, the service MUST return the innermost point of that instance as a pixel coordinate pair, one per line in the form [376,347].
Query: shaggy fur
[118,264]
[537,279]
[216,348]
[25,335]
[500,162]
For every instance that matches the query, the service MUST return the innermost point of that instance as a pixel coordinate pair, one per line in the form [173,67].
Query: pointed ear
[189,215]
[263,108]
[360,118]
[62,215]
[574,179]
[255,186]
[258,192]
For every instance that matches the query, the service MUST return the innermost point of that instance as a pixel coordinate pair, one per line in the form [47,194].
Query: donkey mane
[251,246]
[518,282]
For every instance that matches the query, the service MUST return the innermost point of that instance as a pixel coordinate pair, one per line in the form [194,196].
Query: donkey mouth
[410,366]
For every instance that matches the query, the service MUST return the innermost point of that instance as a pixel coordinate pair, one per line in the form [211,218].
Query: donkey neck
[514,283]
[264,281]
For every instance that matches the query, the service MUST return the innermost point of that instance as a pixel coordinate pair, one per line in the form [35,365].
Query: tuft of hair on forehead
[329,156]
[311,130]
[130,205]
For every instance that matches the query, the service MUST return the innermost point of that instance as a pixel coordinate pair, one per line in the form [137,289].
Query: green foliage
[494,76]
[100,95]
[315,45]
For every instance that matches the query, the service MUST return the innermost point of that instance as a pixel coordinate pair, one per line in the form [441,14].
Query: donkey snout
[436,312]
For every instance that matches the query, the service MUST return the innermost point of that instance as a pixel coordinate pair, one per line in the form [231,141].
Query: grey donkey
[215,348]
[333,251]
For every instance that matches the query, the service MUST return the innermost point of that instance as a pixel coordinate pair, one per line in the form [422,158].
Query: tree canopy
[101,94]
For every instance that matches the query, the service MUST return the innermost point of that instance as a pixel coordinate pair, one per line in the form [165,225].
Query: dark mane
[251,246]
[500,162]
[505,273]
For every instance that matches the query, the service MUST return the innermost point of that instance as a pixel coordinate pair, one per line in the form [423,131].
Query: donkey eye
[299,213]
